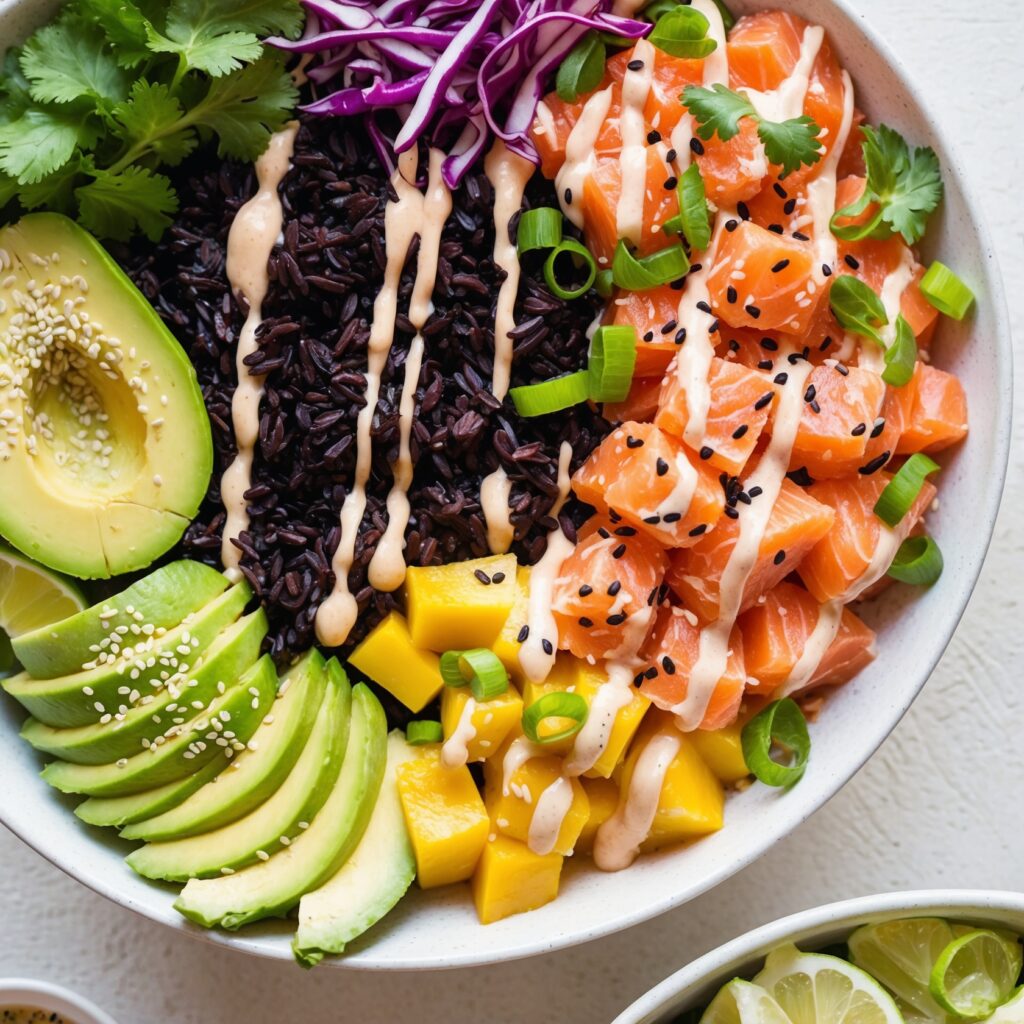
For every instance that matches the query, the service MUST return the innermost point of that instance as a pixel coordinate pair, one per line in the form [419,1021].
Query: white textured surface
[936,807]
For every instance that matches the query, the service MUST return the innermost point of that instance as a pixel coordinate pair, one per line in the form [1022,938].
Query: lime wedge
[813,988]
[741,1002]
[976,973]
[901,955]
[30,597]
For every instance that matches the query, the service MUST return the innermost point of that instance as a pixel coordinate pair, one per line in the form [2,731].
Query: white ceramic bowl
[696,984]
[440,929]
[43,995]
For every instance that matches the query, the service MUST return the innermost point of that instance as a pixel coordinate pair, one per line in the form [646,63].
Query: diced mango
[512,812]
[722,751]
[446,818]
[390,658]
[603,796]
[493,720]
[507,645]
[585,679]
[511,879]
[451,608]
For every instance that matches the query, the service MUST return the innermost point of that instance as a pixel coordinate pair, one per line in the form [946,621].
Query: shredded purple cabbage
[458,72]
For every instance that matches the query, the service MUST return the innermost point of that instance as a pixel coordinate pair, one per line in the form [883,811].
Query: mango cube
[451,608]
[511,879]
[390,658]
[445,816]
[507,645]
[603,797]
[579,677]
[493,720]
[722,751]
[512,812]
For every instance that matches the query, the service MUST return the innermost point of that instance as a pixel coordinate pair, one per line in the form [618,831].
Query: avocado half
[105,444]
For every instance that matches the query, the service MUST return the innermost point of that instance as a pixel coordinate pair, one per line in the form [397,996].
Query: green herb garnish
[97,101]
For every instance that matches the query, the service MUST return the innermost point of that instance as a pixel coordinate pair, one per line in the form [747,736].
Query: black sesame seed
[619,551]
[813,406]
[743,210]
[668,665]
[765,364]
[614,588]
[800,236]
[703,306]
[651,673]
[734,345]
[852,262]
[810,393]
[670,156]
[614,516]
[568,197]
[653,137]
[780,557]
[482,577]
[731,225]
[625,531]
[547,646]
[498,577]
[603,533]
[713,327]
[795,357]
[842,370]
[801,477]
[638,679]
[875,464]
[586,590]
[740,431]
[744,497]
[699,529]
[680,336]
[777,229]
[706,453]
[670,183]
[652,520]
[677,286]
[697,146]
[770,343]
[669,327]
[879,426]
[634,442]
[616,620]
[635,65]
[780,191]
[781,378]
[673,517]
[585,622]
[523,634]
[695,268]
[649,336]
[780,266]
[731,512]
[826,270]
[730,294]
[825,345]
[789,207]
[861,428]
[764,400]
[661,466]
[753,311]
[755,491]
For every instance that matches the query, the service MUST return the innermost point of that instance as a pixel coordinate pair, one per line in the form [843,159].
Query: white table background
[939,805]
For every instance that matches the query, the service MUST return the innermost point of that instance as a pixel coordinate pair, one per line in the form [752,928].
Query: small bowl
[696,984]
[44,995]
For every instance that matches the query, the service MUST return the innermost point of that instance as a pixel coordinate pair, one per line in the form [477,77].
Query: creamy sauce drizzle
[592,739]
[455,750]
[535,660]
[581,155]
[495,491]
[636,87]
[546,823]
[618,840]
[254,231]
[787,100]
[830,615]
[413,214]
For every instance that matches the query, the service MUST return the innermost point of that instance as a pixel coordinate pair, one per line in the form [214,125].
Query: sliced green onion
[901,355]
[580,256]
[640,275]
[946,292]
[554,705]
[612,361]
[480,669]
[682,32]
[857,307]
[581,72]
[900,493]
[424,731]
[603,283]
[918,562]
[551,395]
[782,723]
[693,206]
[539,229]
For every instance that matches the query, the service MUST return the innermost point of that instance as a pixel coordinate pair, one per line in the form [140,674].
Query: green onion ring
[539,229]
[900,493]
[580,255]
[555,705]
[782,723]
[419,733]
[480,669]
[918,562]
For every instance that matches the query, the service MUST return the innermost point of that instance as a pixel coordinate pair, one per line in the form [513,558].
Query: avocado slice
[181,699]
[239,711]
[75,700]
[370,882]
[117,811]
[115,453]
[163,599]
[272,888]
[257,773]
[275,823]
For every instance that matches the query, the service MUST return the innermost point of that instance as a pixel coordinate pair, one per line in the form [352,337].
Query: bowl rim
[956,180]
[691,982]
[54,998]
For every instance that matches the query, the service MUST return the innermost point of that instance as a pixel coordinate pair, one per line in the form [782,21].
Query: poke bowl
[831,929]
[240,269]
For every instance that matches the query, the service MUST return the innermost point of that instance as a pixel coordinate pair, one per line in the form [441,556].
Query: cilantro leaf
[216,55]
[40,141]
[111,205]
[791,143]
[245,108]
[15,98]
[125,26]
[717,111]
[150,118]
[71,59]
[55,191]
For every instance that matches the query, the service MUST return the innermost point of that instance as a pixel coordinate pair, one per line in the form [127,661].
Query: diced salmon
[671,75]
[649,479]
[553,125]
[797,523]
[839,561]
[764,281]
[605,591]
[672,651]
[840,409]
[640,405]
[653,315]
[733,171]
[775,634]
[851,162]
[938,413]
[741,402]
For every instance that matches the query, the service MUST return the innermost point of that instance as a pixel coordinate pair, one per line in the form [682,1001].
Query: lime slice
[741,1002]
[976,973]
[901,955]
[813,988]
[30,597]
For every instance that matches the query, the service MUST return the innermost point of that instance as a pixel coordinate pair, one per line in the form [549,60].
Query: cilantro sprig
[93,104]
[718,111]
[905,183]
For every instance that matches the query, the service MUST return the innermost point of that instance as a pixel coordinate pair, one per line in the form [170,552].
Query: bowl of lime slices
[928,957]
